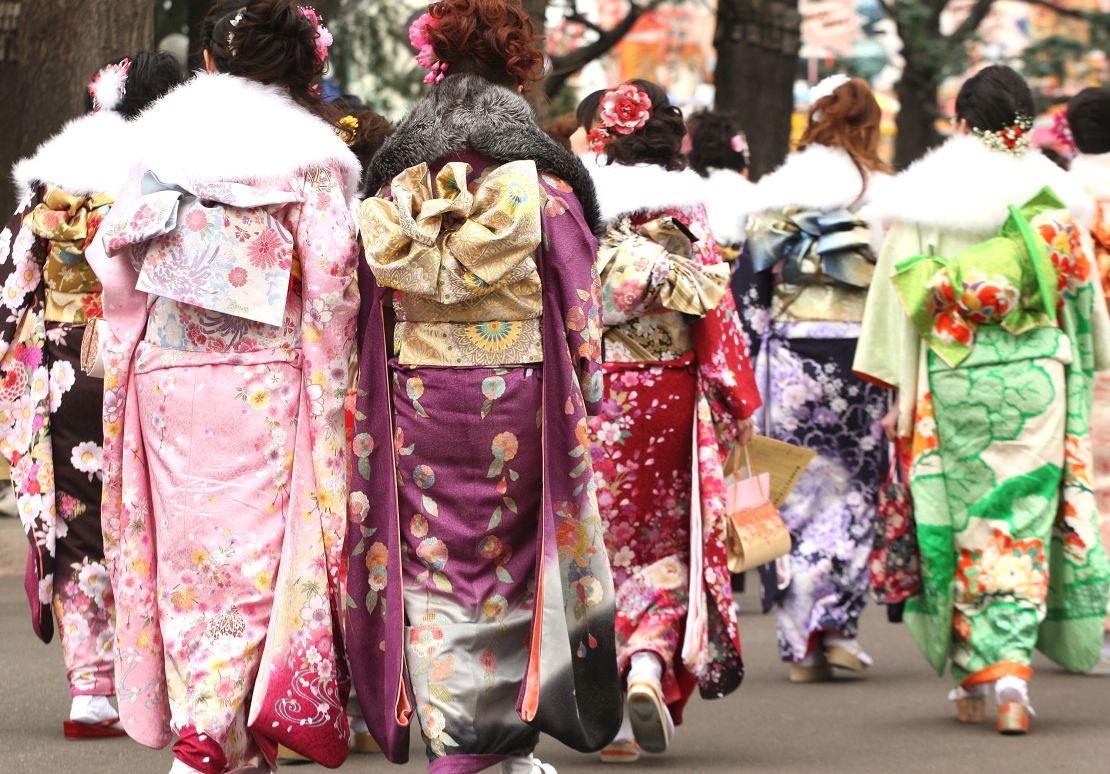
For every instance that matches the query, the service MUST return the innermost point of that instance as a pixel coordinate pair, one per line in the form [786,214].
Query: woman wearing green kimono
[985,317]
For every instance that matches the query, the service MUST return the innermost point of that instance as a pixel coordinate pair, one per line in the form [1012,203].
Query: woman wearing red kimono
[679,392]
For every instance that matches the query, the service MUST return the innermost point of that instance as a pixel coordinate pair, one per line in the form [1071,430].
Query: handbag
[93,341]
[895,561]
[756,532]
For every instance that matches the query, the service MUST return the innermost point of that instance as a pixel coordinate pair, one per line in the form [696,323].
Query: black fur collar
[467,112]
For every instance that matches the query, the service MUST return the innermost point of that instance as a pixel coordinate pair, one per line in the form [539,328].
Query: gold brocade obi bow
[219,246]
[456,238]
[650,269]
[69,224]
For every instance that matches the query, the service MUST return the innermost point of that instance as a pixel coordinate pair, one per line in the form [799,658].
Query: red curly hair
[493,38]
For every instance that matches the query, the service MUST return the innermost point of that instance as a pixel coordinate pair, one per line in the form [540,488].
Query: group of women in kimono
[447,422]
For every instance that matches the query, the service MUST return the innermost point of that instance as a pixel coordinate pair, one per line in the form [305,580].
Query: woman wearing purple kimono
[480,597]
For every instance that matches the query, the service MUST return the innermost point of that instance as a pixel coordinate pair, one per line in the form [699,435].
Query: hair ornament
[622,111]
[324,37]
[109,85]
[1062,129]
[232,24]
[348,128]
[826,88]
[426,55]
[1016,139]
[739,143]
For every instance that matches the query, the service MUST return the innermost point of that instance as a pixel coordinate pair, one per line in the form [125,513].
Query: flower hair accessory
[426,55]
[348,129]
[826,88]
[324,37]
[1062,129]
[1015,140]
[739,143]
[623,111]
[109,85]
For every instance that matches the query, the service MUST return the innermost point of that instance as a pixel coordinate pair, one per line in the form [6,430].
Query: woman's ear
[209,62]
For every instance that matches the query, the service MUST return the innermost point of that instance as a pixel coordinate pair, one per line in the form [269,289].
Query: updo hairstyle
[658,142]
[1089,117]
[268,41]
[994,99]
[492,38]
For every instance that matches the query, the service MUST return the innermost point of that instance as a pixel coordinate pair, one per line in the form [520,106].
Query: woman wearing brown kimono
[49,408]
[480,598]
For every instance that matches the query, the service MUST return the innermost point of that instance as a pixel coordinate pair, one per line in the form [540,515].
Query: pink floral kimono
[230,295]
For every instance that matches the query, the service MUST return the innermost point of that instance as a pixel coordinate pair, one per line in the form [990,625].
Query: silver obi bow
[814,248]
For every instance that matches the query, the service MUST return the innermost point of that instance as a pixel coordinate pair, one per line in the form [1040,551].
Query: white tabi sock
[645,667]
[92,709]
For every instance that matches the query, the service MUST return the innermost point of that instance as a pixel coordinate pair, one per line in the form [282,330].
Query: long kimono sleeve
[20,275]
[328,253]
[721,350]
[888,352]
[570,247]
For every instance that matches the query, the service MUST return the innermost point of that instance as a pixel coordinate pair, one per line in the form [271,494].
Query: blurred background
[756,59]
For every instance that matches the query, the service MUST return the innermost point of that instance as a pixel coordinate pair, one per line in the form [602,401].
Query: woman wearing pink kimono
[228,267]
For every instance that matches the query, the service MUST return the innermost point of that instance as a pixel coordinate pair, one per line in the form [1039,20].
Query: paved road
[895,720]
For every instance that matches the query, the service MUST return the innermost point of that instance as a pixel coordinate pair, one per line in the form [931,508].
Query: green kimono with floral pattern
[993,345]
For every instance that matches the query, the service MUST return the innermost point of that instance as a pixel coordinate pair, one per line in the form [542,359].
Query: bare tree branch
[578,18]
[567,64]
[969,25]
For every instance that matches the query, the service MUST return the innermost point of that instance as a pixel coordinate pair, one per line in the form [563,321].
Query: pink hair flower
[625,109]
[324,37]
[426,55]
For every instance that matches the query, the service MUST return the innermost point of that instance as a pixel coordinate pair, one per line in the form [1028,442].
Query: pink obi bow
[219,246]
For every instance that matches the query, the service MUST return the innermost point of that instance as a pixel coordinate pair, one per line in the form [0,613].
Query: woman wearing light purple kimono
[480,597]
[228,267]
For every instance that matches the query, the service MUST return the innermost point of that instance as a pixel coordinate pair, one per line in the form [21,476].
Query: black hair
[994,99]
[151,76]
[269,41]
[711,135]
[1089,117]
[586,113]
[658,142]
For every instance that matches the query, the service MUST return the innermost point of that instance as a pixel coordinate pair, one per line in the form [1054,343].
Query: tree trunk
[917,114]
[757,45]
[61,44]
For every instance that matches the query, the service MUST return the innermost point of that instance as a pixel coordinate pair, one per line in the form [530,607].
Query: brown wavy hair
[850,119]
[493,38]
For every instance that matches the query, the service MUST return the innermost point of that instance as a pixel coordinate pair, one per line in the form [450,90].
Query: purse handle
[752,474]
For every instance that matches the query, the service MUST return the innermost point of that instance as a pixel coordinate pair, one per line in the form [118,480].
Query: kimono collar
[91,155]
[962,186]
[467,112]
[219,128]
[1093,173]
[624,189]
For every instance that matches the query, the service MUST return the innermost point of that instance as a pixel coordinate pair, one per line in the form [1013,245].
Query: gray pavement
[894,720]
